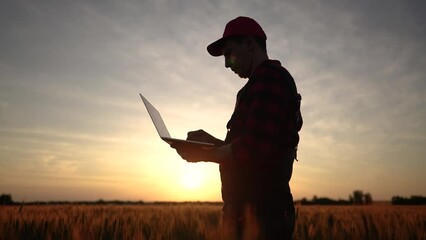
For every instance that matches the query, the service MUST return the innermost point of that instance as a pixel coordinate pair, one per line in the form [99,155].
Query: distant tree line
[357,198]
[413,200]
[6,199]
[323,201]
[360,198]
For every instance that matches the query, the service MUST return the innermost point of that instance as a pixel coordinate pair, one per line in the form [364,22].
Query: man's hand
[202,154]
[202,136]
[191,153]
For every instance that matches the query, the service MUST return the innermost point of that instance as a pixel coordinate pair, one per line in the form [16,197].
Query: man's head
[243,45]
[240,26]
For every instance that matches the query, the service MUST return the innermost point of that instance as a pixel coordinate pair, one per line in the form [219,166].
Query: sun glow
[192,179]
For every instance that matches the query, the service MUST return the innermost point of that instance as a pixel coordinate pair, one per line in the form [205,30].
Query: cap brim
[215,48]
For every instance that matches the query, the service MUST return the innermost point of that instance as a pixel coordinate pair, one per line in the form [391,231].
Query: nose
[229,62]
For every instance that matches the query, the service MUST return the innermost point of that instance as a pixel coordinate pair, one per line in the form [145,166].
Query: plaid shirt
[262,131]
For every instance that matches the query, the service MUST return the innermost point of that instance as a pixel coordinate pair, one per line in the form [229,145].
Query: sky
[73,127]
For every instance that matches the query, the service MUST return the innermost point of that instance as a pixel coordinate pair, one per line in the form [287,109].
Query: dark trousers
[247,221]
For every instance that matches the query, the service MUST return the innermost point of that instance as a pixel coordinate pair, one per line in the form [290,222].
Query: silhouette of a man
[256,158]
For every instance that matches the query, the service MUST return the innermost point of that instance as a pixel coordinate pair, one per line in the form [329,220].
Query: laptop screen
[156,118]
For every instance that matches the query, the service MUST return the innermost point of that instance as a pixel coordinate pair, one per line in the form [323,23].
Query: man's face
[238,58]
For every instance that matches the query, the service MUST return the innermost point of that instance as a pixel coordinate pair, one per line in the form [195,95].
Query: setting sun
[192,179]
[188,181]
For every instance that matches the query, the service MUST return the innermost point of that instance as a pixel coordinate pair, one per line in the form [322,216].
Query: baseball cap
[238,26]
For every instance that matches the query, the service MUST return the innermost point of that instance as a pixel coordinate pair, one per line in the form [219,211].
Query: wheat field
[202,221]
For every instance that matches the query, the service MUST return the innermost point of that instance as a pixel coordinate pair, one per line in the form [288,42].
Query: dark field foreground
[202,221]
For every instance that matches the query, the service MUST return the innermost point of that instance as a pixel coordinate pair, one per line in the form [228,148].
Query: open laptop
[162,129]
